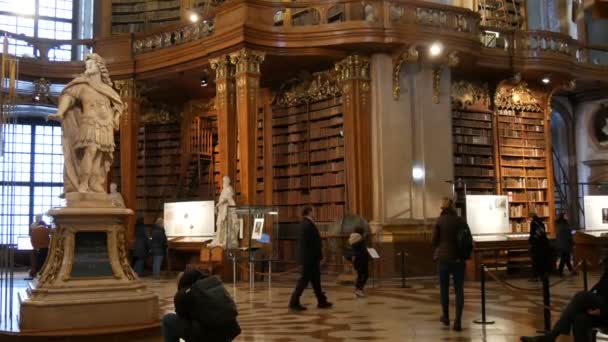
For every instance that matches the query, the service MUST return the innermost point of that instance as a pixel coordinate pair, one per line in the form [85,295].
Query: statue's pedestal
[87,283]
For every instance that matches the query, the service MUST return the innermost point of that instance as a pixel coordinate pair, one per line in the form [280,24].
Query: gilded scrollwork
[53,264]
[466,94]
[410,55]
[354,67]
[223,68]
[307,87]
[123,255]
[518,97]
[247,61]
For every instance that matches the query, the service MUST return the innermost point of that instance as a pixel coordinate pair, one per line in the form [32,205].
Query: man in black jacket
[540,250]
[309,256]
[585,311]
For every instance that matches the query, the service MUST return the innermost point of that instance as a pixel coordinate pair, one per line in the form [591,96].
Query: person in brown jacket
[450,262]
[40,240]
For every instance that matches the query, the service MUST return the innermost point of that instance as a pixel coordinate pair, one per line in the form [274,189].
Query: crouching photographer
[204,311]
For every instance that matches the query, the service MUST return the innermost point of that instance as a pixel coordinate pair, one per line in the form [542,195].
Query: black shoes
[324,305]
[541,338]
[445,321]
[297,308]
[457,326]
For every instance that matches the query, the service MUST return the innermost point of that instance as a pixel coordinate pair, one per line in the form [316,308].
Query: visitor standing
[40,239]
[540,251]
[357,242]
[142,243]
[158,246]
[309,256]
[565,242]
[450,260]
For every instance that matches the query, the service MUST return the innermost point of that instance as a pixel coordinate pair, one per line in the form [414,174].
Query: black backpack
[214,306]
[465,241]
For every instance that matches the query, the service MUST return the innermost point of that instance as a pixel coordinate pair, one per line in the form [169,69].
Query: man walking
[309,256]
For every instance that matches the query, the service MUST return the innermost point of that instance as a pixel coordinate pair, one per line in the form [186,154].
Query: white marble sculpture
[89,110]
[223,222]
[605,128]
[116,197]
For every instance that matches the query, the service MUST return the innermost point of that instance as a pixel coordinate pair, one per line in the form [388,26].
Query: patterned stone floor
[390,313]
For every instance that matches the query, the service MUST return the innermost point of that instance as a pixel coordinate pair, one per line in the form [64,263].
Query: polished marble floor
[389,313]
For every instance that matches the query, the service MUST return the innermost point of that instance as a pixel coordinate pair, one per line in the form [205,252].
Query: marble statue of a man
[223,224]
[116,197]
[89,110]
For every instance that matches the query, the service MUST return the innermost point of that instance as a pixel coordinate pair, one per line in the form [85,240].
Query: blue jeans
[169,326]
[157,262]
[456,269]
[139,266]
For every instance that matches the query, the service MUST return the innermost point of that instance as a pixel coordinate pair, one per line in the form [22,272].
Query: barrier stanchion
[403,284]
[585,283]
[546,305]
[483,319]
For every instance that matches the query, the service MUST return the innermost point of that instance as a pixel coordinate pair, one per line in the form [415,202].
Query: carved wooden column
[225,102]
[130,94]
[353,75]
[268,160]
[247,75]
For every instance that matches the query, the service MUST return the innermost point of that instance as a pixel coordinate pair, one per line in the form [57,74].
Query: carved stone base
[87,282]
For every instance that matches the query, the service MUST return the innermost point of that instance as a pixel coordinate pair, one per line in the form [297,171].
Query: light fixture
[435,49]
[204,79]
[193,17]
[417,173]
[546,80]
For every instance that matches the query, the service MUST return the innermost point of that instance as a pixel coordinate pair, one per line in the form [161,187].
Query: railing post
[483,319]
[546,305]
[585,281]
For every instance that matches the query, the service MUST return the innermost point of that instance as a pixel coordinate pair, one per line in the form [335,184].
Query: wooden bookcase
[140,15]
[158,167]
[259,156]
[506,14]
[473,142]
[308,159]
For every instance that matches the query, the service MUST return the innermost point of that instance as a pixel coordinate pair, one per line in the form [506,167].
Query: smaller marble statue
[605,128]
[223,222]
[116,197]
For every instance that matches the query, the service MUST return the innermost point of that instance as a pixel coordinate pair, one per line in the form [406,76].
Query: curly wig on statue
[101,64]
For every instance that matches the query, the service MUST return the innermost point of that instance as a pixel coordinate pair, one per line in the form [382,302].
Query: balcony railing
[42,46]
[173,36]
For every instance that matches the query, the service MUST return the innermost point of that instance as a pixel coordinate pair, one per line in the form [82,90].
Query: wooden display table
[182,251]
[591,246]
[500,252]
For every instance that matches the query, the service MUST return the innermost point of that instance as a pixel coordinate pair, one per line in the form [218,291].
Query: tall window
[52,19]
[32,175]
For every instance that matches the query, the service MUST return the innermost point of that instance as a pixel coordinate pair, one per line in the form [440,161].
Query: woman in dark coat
[564,242]
[142,245]
[158,247]
[540,250]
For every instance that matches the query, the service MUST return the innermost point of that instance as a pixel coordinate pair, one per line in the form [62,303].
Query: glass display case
[257,228]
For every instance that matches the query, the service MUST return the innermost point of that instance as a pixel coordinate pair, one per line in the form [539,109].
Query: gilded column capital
[223,68]
[247,61]
[354,67]
[128,88]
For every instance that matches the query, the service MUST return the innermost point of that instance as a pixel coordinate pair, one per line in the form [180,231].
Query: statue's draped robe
[224,222]
[83,128]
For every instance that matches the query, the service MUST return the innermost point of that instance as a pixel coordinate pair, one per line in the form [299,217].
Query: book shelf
[506,14]
[259,156]
[473,142]
[308,159]
[129,16]
[523,152]
[158,167]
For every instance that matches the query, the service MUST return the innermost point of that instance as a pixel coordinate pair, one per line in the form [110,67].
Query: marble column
[411,138]
[247,76]
[225,103]
[130,94]
[353,75]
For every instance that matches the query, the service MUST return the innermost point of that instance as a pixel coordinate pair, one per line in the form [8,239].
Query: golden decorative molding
[205,105]
[306,87]
[518,97]
[410,55]
[567,86]
[123,255]
[52,266]
[247,61]
[354,67]
[152,113]
[465,94]
[128,88]
[222,66]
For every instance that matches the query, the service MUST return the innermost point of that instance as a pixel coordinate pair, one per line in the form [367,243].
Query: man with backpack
[453,245]
[204,311]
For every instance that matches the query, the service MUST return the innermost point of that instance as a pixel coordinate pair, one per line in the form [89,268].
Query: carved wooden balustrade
[42,46]
[201,139]
[170,37]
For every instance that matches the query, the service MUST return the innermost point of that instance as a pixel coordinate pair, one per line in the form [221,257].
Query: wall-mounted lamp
[435,49]
[193,17]
[204,79]
[546,80]
[417,173]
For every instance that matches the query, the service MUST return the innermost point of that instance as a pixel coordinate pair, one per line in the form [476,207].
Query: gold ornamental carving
[247,61]
[222,66]
[128,89]
[465,94]
[354,67]
[204,106]
[51,267]
[308,88]
[123,255]
[411,55]
[567,86]
[518,97]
